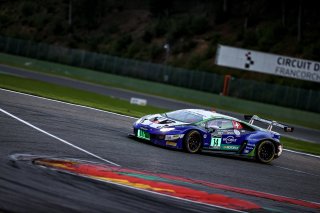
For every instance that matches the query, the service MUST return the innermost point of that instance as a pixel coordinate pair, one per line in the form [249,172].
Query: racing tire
[192,142]
[265,152]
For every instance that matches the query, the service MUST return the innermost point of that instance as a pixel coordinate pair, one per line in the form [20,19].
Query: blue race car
[197,129]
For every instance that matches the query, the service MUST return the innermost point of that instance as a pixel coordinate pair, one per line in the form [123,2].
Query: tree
[160,7]
[283,11]
[299,33]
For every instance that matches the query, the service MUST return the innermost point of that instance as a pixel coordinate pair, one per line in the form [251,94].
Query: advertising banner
[268,63]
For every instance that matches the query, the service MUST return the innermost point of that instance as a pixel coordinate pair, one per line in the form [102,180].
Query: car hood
[159,121]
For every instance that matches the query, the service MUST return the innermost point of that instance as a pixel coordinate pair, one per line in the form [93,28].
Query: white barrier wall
[268,63]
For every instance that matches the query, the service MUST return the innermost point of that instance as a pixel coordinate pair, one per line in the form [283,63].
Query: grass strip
[278,113]
[76,96]
[302,146]
[110,104]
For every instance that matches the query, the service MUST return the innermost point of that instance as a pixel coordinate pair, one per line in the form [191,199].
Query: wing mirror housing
[212,129]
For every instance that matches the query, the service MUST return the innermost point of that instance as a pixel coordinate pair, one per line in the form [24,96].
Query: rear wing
[253,118]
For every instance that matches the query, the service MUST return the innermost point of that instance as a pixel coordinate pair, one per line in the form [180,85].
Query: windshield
[184,116]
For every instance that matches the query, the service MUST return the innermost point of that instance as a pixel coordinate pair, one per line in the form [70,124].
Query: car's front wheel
[192,142]
[265,152]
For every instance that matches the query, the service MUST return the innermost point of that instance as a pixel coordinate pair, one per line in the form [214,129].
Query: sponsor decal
[230,147]
[171,143]
[173,137]
[218,133]
[249,60]
[237,132]
[268,63]
[143,134]
[228,132]
[236,125]
[144,128]
[229,139]
[204,136]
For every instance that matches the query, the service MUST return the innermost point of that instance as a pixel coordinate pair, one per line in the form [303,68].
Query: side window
[221,123]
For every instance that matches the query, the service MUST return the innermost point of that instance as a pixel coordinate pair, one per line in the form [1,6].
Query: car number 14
[215,143]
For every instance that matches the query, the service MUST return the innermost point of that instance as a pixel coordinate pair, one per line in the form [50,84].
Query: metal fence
[241,88]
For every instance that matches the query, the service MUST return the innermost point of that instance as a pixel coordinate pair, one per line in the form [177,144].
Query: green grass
[74,96]
[278,113]
[111,104]
[302,146]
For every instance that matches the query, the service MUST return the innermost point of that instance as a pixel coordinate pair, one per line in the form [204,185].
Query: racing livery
[195,129]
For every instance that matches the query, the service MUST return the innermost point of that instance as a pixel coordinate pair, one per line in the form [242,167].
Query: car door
[226,135]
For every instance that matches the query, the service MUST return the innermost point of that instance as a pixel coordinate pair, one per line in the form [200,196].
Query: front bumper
[171,139]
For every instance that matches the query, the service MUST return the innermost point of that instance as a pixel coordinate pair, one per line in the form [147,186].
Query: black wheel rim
[194,142]
[266,152]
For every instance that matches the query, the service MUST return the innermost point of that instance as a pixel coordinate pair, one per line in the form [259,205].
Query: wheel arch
[194,129]
[275,143]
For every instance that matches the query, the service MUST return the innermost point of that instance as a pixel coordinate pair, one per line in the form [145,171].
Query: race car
[196,129]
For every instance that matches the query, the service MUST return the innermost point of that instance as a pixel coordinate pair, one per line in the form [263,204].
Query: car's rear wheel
[265,152]
[192,142]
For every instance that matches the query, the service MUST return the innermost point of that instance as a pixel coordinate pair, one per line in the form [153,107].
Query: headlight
[166,129]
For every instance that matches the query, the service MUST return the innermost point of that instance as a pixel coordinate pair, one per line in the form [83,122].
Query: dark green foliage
[210,52]
[250,38]
[182,46]
[155,51]
[179,28]
[160,8]
[269,36]
[194,61]
[139,29]
[133,49]
[28,8]
[122,44]
[4,20]
[199,24]
[114,28]
[186,26]
[147,36]
[89,13]
[160,27]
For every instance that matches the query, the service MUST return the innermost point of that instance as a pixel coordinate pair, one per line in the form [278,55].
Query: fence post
[226,84]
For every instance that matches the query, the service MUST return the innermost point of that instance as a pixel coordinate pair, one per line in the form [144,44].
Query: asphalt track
[302,133]
[100,136]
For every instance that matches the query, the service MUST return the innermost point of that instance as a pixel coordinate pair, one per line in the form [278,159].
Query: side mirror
[212,129]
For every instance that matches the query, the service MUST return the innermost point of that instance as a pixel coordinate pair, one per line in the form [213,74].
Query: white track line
[113,113]
[98,157]
[298,171]
[302,153]
[55,137]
